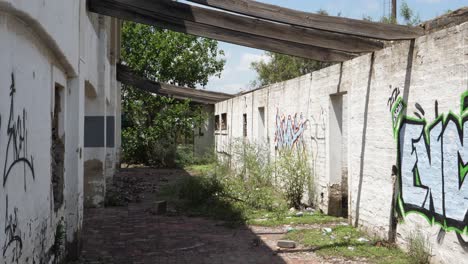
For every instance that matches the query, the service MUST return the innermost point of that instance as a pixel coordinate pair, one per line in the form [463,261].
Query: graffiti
[461,241]
[15,163]
[16,150]
[318,126]
[41,254]
[289,130]
[13,241]
[396,106]
[393,98]
[433,164]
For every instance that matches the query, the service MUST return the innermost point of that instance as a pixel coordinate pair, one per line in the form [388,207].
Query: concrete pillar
[95,127]
[74,166]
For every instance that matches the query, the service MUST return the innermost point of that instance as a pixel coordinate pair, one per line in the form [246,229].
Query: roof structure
[262,26]
[127,76]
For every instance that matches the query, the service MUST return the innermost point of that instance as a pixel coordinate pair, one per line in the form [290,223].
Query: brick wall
[429,75]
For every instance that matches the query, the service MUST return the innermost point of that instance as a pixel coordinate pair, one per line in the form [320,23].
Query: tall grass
[420,249]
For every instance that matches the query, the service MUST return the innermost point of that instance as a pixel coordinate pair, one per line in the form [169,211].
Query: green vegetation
[295,172]
[241,194]
[419,248]
[280,67]
[408,15]
[260,193]
[153,125]
[348,242]
[265,218]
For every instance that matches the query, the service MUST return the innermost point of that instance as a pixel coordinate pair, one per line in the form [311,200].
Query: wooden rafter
[257,27]
[142,12]
[127,76]
[329,23]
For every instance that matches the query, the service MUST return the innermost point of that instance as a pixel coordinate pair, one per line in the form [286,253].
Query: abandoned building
[383,128]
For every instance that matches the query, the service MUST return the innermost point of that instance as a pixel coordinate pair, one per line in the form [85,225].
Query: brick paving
[132,234]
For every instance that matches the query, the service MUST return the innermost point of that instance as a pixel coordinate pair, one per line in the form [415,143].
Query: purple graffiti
[289,130]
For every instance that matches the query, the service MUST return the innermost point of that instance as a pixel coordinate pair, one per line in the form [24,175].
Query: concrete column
[95,127]
[74,166]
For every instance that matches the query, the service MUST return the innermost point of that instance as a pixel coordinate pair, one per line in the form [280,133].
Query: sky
[238,75]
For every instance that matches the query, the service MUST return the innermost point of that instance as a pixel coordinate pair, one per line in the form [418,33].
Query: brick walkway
[132,234]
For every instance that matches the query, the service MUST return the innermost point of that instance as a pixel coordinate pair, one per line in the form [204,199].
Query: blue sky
[238,75]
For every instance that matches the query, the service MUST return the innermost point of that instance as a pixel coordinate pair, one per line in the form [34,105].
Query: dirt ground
[134,233]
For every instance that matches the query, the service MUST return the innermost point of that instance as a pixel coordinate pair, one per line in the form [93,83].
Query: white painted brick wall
[436,69]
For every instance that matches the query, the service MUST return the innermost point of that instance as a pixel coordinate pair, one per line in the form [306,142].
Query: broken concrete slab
[286,244]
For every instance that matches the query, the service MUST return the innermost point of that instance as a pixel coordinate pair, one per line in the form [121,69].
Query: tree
[151,124]
[282,67]
[408,15]
[170,57]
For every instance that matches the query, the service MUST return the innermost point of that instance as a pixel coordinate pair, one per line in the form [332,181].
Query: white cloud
[247,59]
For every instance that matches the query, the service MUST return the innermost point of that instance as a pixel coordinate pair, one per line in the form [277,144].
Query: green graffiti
[397,114]
[433,164]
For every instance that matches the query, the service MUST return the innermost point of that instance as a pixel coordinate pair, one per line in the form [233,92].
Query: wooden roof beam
[127,76]
[329,23]
[255,26]
[135,10]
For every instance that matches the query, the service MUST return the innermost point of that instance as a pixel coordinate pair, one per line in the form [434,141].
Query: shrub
[420,249]
[294,172]
[253,163]
[200,190]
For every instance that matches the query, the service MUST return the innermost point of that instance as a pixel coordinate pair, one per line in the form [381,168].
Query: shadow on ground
[134,233]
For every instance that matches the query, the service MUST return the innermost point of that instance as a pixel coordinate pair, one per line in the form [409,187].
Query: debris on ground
[125,190]
[286,244]
[299,214]
[327,230]
[363,240]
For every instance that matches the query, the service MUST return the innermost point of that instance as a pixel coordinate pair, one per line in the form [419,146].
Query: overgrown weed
[419,248]
[237,193]
[294,173]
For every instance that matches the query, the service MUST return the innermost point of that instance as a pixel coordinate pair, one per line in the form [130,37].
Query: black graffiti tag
[393,98]
[17,141]
[13,234]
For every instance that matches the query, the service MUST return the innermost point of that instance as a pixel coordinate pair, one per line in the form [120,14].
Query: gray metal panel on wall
[94,132]
[110,132]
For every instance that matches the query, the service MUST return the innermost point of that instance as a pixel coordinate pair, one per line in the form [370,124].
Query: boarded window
[224,121]
[244,125]
[217,123]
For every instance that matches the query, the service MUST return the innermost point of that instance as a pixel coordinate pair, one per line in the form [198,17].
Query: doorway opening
[338,161]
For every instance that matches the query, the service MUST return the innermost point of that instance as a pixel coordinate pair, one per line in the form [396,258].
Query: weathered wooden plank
[127,76]
[255,26]
[330,23]
[128,12]
[184,91]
